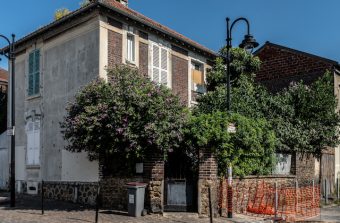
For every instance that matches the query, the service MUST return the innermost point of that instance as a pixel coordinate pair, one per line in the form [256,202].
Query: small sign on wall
[139,167]
[131,199]
[232,128]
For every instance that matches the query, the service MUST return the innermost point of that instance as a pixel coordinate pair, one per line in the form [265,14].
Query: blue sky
[307,25]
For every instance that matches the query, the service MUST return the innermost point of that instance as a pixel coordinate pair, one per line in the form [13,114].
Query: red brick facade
[281,66]
[115,48]
[143,58]
[180,80]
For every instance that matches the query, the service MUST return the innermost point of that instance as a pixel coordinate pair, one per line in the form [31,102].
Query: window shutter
[30,144]
[160,65]
[155,62]
[30,73]
[34,72]
[37,142]
[164,66]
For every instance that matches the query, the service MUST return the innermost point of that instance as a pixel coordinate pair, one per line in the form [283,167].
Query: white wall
[77,167]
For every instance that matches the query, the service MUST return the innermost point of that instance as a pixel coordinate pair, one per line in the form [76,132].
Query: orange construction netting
[291,203]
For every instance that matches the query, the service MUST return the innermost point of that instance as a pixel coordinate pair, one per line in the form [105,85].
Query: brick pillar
[303,166]
[154,176]
[207,177]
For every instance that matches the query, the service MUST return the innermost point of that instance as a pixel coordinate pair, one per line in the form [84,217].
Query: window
[33,143]
[34,73]
[197,85]
[130,56]
[160,58]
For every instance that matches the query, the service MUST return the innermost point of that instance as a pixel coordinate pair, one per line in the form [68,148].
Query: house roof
[117,7]
[3,75]
[335,63]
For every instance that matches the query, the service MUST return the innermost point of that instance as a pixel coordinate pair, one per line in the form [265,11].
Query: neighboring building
[3,80]
[3,137]
[55,61]
[280,67]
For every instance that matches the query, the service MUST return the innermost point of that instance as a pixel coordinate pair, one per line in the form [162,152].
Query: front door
[180,185]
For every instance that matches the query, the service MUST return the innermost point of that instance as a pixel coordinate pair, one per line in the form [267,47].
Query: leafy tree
[128,117]
[305,117]
[60,13]
[250,150]
[3,111]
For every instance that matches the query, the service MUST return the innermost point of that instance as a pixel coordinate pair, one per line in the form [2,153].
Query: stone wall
[82,193]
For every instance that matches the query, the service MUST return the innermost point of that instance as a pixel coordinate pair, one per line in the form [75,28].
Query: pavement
[28,210]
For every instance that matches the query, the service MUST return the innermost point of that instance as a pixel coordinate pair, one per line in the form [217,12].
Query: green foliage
[129,116]
[60,13]
[3,111]
[305,117]
[242,63]
[250,150]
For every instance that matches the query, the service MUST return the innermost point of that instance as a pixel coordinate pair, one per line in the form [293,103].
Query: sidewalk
[28,210]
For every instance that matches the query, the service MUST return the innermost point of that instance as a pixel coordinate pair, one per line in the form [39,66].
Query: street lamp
[249,43]
[10,55]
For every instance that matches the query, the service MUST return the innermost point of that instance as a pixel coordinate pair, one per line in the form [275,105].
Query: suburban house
[3,137]
[280,67]
[55,61]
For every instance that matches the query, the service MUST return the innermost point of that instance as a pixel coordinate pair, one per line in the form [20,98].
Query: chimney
[124,2]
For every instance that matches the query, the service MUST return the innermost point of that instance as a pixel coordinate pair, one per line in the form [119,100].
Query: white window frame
[130,49]
[160,67]
[33,143]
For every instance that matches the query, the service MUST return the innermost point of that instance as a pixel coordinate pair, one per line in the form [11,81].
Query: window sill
[131,63]
[32,97]
[36,166]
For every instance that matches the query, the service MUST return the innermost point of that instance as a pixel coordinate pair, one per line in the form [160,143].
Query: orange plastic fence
[293,203]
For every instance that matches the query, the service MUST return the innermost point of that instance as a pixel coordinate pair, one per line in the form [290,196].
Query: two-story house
[55,61]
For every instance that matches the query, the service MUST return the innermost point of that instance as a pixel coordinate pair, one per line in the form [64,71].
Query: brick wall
[281,66]
[180,78]
[143,58]
[207,177]
[303,166]
[115,48]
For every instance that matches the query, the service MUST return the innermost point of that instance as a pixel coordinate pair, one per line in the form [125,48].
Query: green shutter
[36,72]
[33,73]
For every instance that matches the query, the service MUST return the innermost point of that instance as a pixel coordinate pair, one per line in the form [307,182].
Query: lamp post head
[249,42]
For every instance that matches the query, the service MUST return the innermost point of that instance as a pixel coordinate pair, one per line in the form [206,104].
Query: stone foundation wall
[77,192]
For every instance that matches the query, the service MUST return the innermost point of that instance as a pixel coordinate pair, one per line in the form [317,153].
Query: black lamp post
[248,43]
[11,131]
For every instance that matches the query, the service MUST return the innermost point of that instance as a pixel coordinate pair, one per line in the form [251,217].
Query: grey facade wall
[4,158]
[66,64]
